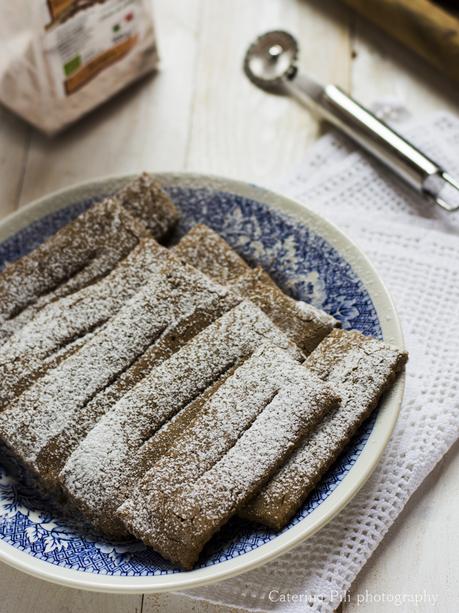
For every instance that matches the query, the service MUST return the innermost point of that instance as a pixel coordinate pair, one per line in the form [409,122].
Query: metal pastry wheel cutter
[271,64]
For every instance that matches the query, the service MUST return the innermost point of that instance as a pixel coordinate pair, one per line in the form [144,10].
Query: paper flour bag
[60,59]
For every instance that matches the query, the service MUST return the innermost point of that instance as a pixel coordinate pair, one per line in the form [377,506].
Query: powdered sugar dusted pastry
[360,369]
[163,390]
[66,319]
[55,453]
[302,322]
[45,408]
[207,251]
[210,253]
[101,471]
[145,199]
[83,251]
[240,436]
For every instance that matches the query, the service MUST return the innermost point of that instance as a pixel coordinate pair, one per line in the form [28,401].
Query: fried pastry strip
[360,369]
[71,317]
[100,473]
[47,406]
[83,251]
[241,435]
[55,453]
[305,324]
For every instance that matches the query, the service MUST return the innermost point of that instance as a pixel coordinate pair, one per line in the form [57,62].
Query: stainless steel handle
[379,139]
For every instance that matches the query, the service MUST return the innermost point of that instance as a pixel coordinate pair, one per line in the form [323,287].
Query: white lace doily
[415,248]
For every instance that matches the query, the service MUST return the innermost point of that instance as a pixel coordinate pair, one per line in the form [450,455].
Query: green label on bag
[72,65]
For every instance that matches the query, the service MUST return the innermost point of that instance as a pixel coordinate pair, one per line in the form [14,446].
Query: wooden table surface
[201,114]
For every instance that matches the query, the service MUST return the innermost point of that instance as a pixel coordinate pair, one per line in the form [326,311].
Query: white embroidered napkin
[415,248]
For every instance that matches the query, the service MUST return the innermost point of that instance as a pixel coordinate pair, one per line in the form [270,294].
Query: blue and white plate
[312,261]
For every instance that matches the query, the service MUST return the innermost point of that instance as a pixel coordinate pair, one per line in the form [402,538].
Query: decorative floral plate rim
[344,491]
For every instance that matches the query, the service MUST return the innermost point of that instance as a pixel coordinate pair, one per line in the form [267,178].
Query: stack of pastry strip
[359,368]
[45,407]
[237,439]
[83,251]
[101,472]
[62,324]
[208,252]
[166,390]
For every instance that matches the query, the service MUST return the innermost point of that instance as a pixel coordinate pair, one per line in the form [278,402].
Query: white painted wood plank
[14,142]
[238,130]
[175,603]
[144,128]
[23,594]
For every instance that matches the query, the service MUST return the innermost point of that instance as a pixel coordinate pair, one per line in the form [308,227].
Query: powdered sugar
[206,505]
[54,454]
[99,472]
[360,369]
[314,314]
[211,254]
[240,434]
[43,410]
[303,324]
[83,250]
[146,200]
[79,253]
[219,422]
[73,316]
